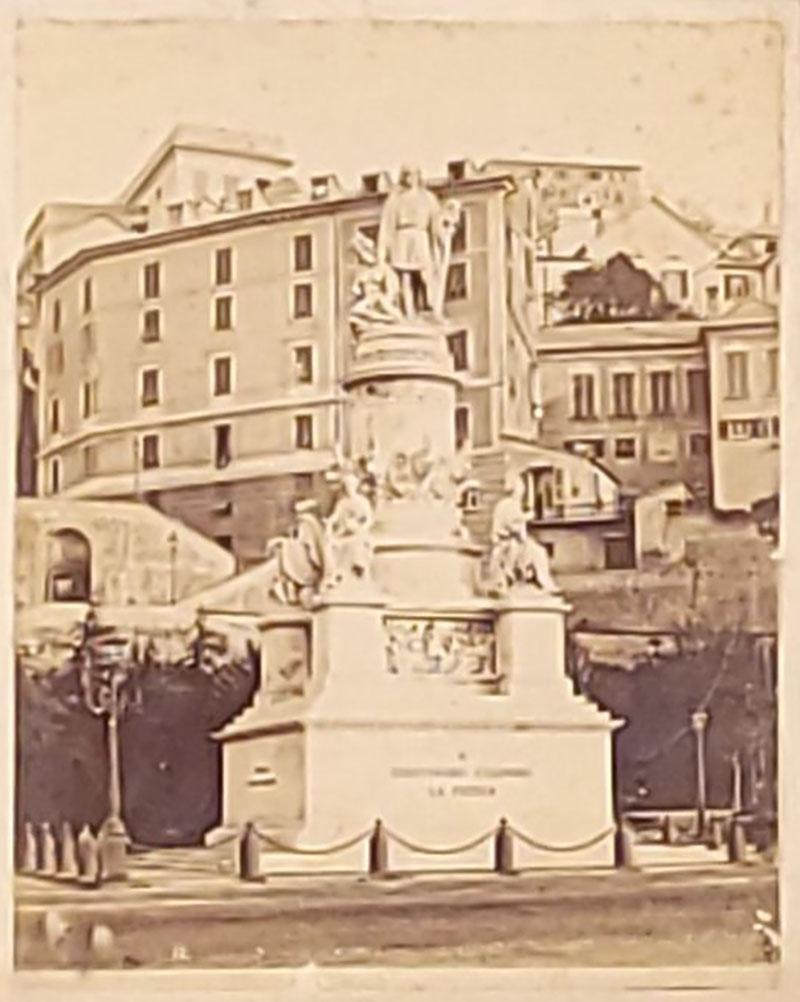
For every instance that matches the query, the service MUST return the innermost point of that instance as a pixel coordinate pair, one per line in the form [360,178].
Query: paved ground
[667,916]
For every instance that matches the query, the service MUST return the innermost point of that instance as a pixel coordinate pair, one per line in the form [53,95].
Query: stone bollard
[737,842]
[669,830]
[49,861]
[68,859]
[623,846]
[249,855]
[88,858]
[715,836]
[378,851]
[30,850]
[113,849]
[503,850]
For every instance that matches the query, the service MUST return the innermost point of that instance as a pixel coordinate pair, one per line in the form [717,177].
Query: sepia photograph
[397,524]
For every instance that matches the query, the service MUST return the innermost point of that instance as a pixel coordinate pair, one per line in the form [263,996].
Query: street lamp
[105,673]
[699,724]
[172,542]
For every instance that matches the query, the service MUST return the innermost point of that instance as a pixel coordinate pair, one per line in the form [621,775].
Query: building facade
[185,345]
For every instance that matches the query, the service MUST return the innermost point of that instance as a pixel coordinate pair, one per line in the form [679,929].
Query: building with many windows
[191,338]
[186,344]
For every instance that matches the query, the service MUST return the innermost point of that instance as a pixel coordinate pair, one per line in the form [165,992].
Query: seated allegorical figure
[516,556]
[348,539]
[300,557]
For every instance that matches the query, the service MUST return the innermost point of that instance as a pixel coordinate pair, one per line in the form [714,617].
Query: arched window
[69,567]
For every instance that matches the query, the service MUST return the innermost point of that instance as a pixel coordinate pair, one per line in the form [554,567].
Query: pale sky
[698,106]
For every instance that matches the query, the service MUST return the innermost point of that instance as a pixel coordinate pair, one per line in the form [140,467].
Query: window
[89,460]
[55,475]
[55,358]
[55,416]
[151,330]
[583,396]
[151,451]
[457,343]
[593,447]
[736,286]
[594,175]
[463,431]
[303,252]
[303,432]
[697,392]
[86,300]
[759,428]
[459,244]
[150,388]
[223,313]
[625,448]
[471,499]
[175,214]
[370,231]
[773,371]
[698,443]
[87,340]
[623,389]
[676,284]
[152,280]
[712,299]
[370,182]
[88,398]
[660,394]
[223,376]
[736,375]
[735,430]
[320,186]
[302,305]
[244,199]
[456,287]
[303,361]
[222,445]
[223,266]
[456,170]
[56,316]
[775,427]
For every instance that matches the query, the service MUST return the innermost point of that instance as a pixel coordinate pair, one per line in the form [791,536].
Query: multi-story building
[744,376]
[186,343]
[192,338]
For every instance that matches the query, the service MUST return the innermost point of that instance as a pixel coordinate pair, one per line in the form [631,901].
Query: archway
[69,567]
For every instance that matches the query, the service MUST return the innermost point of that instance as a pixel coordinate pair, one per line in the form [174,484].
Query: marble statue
[376,289]
[300,557]
[516,557]
[348,538]
[414,239]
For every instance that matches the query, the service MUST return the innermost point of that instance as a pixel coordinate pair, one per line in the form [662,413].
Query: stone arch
[69,567]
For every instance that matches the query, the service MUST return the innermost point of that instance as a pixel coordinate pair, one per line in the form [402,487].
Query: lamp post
[699,724]
[172,542]
[105,666]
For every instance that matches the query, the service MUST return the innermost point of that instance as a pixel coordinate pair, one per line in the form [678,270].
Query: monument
[407,675]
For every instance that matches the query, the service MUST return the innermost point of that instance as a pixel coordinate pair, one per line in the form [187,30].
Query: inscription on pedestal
[458,781]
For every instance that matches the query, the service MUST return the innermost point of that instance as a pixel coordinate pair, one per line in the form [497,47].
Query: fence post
[669,830]
[249,853]
[378,851]
[714,836]
[49,861]
[30,854]
[503,849]
[67,860]
[623,845]
[737,842]
[88,858]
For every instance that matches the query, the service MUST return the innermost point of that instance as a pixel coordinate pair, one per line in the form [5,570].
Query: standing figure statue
[348,534]
[516,557]
[414,238]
